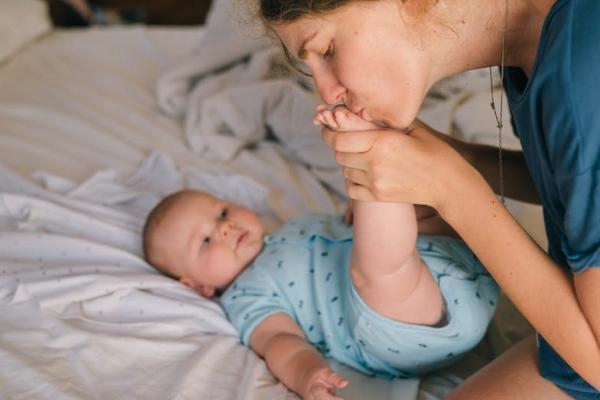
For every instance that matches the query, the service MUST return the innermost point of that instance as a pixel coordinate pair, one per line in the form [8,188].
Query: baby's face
[207,242]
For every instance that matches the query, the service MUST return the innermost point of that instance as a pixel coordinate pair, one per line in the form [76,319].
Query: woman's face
[366,56]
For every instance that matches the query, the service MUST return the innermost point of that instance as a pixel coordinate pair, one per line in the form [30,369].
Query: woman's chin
[402,124]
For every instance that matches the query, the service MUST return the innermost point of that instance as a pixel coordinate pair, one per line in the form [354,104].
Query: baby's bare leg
[386,267]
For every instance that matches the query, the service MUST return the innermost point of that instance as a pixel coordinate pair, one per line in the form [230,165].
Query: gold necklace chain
[499,118]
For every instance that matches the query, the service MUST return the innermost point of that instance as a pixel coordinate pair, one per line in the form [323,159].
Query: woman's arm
[539,288]
[296,363]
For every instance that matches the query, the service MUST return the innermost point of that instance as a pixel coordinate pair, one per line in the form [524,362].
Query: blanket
[84,316]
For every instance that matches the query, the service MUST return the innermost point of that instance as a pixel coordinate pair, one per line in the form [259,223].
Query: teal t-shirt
[556,114]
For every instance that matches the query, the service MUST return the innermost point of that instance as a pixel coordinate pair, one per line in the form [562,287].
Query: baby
[380,300]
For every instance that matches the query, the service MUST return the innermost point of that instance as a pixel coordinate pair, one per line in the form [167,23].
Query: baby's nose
[225,228]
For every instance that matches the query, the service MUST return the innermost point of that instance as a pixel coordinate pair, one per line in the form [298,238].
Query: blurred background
[81,13]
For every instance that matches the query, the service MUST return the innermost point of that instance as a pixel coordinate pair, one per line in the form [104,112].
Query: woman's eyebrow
[302,51]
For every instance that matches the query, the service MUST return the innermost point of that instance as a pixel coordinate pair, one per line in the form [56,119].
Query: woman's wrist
[457,185]
[461,191]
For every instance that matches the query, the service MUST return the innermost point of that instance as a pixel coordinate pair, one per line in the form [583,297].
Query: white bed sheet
[86,153]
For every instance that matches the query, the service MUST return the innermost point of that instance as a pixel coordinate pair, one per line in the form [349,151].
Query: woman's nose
[329,88]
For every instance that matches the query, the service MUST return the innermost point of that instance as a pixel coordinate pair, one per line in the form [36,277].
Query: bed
[97,125]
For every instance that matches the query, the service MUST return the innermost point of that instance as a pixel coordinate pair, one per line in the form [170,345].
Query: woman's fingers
[356,176]
[359,192]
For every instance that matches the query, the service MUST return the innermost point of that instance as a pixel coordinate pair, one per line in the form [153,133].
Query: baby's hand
[321,384]
[341,119]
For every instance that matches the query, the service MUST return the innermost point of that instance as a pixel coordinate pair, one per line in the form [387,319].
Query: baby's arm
[294,361]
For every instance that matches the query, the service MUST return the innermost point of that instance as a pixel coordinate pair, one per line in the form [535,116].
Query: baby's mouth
[241,239]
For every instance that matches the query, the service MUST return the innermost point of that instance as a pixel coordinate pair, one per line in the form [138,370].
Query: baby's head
[202,241]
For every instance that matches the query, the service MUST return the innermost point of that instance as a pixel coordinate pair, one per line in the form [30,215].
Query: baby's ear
[203,290]
[206,291]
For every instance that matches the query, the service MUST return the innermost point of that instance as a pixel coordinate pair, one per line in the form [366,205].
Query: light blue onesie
[304,271]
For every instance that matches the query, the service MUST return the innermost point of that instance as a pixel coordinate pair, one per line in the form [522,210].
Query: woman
[381,57]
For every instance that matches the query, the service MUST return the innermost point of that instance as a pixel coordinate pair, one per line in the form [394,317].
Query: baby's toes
[344,120]
[330,119]
[352,122]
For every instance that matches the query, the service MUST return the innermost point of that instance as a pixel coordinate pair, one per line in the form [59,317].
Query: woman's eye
[224,213]
[329,52]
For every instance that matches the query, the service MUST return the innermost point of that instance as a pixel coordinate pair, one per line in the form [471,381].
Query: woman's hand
[321,384]
[390,165]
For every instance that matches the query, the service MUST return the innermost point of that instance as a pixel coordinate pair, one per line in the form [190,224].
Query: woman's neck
[478,34]
[524,38]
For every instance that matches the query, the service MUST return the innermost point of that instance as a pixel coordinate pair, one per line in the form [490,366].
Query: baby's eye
[206,242]
[329,52]
[224,213]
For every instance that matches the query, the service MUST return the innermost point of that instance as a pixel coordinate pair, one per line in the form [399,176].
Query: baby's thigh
[409,295]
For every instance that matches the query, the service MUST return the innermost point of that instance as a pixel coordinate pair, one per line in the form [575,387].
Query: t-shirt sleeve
[251,299]
[581,198]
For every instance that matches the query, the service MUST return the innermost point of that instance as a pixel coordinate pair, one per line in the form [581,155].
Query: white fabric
[21,21]
[86,296]
[230,92]
[79,119]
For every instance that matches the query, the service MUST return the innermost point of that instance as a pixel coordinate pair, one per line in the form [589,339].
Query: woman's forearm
[539,288]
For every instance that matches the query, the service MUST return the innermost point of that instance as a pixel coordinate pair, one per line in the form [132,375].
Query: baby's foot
[342,119]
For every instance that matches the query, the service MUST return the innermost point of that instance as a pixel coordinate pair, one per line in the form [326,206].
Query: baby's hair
[153,220]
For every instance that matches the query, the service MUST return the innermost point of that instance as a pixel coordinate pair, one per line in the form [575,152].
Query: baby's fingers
[320,392]
[336,380]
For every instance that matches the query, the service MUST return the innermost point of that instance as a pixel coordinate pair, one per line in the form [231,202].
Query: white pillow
[21,21]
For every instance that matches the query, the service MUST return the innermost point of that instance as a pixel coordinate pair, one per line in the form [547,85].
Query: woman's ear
[414,10]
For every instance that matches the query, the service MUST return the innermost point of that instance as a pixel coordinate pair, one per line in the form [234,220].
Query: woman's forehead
[297,34]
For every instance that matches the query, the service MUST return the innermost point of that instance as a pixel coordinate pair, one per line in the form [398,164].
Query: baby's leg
[386,267]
